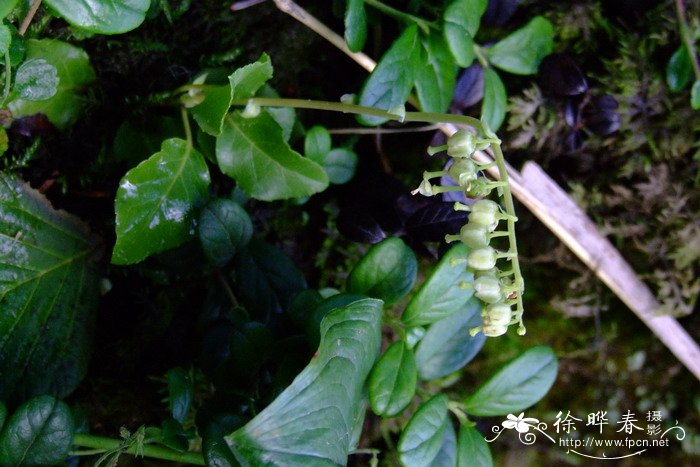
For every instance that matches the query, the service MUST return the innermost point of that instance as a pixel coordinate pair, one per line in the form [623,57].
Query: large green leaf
[679,69]
[517,386]
[355,25]
[312,422]
[447,345]
[522,51]
[436,75]
[493,108]
[447,456]
[40,432]
[472,449]
[254,152]
[388,271]
[422,438]
[462,18]
[6,7]
[102,16]
[392,382]
[48,291]
[156,199]
[74,74]
[391,82]
[441,295]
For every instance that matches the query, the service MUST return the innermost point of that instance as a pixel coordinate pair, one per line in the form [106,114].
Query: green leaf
[173,435]
[679,69]
[321,309]
[340,165]
[355,25]
[6,7]
[267,278]
[522,51]
[392,382]
[74,73]
[180,393]
[48,291]
[317,143]
[102,16]
[436,75]
[284,116]
[254,153]
[36,80]
[5,38]
[472,449]
[447,456]
[156,199]
[387,271]
[40,432]
[312,421]
[462,18]
[224,228]
[493,108]
[243,84]
[391,82]
[441,295]
[517,386]
[447,345]
[422,437]
[695,95]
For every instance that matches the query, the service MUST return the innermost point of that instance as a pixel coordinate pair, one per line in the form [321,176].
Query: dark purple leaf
[572,112]
[559,75]
[376,193]
[452,196]
[600,116]
[605,102]
[469,89]
[433,222]
[574,141]
[498,12]
[407,204]
[359,226]
[34,125]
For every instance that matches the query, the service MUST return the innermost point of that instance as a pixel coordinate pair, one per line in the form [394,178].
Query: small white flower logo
[520,423]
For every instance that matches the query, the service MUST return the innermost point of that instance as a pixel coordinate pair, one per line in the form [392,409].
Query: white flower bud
[485,212]
[425,188]
[492,330]
[461,144]
[497,314]
[482,258]
[474,236]
[488,289]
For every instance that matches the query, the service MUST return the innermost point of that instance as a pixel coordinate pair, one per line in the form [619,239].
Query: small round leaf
[224,228]
[36,80]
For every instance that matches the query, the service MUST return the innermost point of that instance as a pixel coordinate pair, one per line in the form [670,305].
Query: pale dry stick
[555,208]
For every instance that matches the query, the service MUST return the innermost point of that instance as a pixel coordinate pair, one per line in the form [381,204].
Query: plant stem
[156,452]
[186,124]
[28,19]
[687,37]
[400,15]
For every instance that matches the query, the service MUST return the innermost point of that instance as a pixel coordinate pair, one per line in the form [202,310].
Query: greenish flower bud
[488,289]
[479,187]
[497,314]
[461,144]
[482,258]
[463,171]
[485,212]
[493,272]
[474,236]
[425,188]
[492,330]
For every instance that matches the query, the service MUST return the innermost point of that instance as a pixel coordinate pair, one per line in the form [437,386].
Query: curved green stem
[400,15]
[186,125]
[157,452]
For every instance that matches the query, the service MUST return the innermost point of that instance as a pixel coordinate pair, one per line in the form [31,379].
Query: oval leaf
[522,51]
[447,345]
[462,19]
[679,69]
[36,80]
[392,382]
[254,152]
[317,143]
[340,165]
[441,295]
[102,16]
[517,386]
[49,288]
[312,422]
[224,228]
[493,109]
[40,432]
[560,75]
[447,456]
[392,79]
[180,393]
[472,449]
[355,25]
[436,75]
[155,201]
[422,437]
[469,89]
[388,271]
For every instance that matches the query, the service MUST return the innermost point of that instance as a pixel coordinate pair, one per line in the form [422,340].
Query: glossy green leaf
[224,228]
[522,51]
[436,75]
[355,25]
[321,309]
[36,80]
[493,107]
[392,382]
[517,386]
[5,38]
[340,165]
[447,345]
[447,456]
[6,7]
[254,153]
[472,449]
[695,95]
[74,73]
[285,117]
[679,69]
[267,278]
[243,83]
[313,420]
[441,295]
[156,199]
[422,437]
[40,432]
[391,82]
[180,393]
[49,289]
[462,18]
[317,143]
[387,271]
[102,16]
